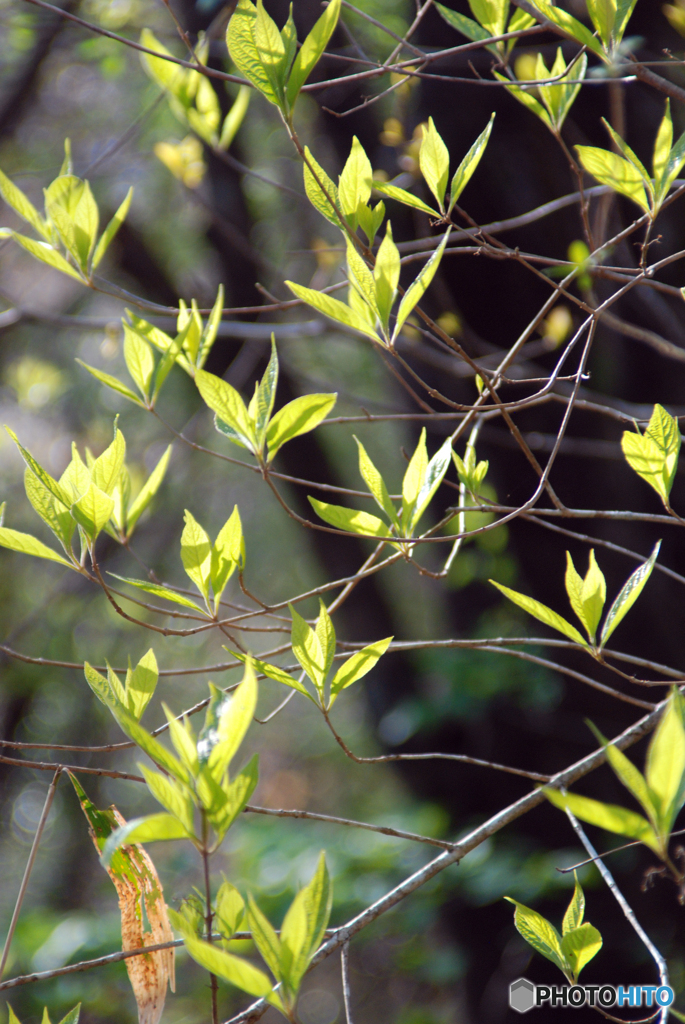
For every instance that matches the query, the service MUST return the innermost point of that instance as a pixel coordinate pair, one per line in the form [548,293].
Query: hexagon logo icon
[522,995]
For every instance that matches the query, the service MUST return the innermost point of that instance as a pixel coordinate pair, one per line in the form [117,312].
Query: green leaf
[101,688]
[412,483]
[48,482]
[196,554]
[415,291]
[321,191]
[113,383]
[357,666]
[174,797]
[524,96]
[628,595]
[333,308]
[44,252]
[147,492]
[375,483]
[370,219]
[265,396]
[573,918]
[349,519]
[106,469]
[435,471]
[20,203]
[434,161]
[53,512]
[170,76]
[230,909]
[628,774]
[93,511]
[238,792]
[304,926]
[542,613]
[558,98]
[228,553]
[154,828]
[273,672]
[225,401]
[240,39]
[70,206]
[297,417]
[587,596]
[264,937]
[603,16]
[271,51]
[311,50]
[73,1015]
[580,946]
[110,231]
[568,24]
[151,746]
[630,156]
[491,14]
[654,455]
[233,969]
[139,360]
[183,739]
[227,720]
[467,27]
[386,275]
[235,117]
[612,170]
[665,767]
[354,185]
[159,591]
[624,11]
[464,171]
[406,198]
[141,683]
[540,934]
[307,649]
[607,816]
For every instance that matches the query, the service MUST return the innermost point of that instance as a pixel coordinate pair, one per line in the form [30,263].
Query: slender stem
[345,970]
[209,916]
[29,866]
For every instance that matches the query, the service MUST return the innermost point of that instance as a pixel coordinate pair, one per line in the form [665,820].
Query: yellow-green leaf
[665,768]
[333,308]
[46,254]
[612,170]
[607,816]
[297,417]
[354,185]
[542,613]
[434,161]
[415,291]
[628,595]
[539,933]
[110,231]
[22,205]
[573,918]
[579,946]
[465,170]
[321,191]
[225,401]
[312,49]
[70,205]
[350,520]
[357,666]
[147,492]
[196,553]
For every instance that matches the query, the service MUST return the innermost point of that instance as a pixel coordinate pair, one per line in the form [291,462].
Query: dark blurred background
[449,953]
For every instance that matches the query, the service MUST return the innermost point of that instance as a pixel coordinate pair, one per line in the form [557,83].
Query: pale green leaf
[264,937]
[227,723]
[20,203]
[48,482]
[70,206]
[579,946]
[237,792]
[266,395]
[240,39]
[612,170]
[607,816]
[297,417]
[333,308]
[312,49]
[524,96]
[110,231]
[154,828]
[307,649]
[573,918]
[491,14]
[629,775]
[354,185]
[542,613]
[225,401]
[414,477]
[271,51]
[540,934]
[147,492]
[350,520]
[603,16]
[433,477]
[168,75]
[568,24]
[233,969]
[139,360]
[230,909]
[406,198]
[273,672]
[628,595]
[101,688]
[386,275]
[53,512]
[227,554]
[106,469]
[235,117]
[665,767]
[171,795]
[44,252]
[465,170]
[375,483]
[304,926]
[196,554]
[434,161]
[151,746]
[357,666]
[469,28]
[93,511]
[159,591]
[415,291]
[183,738]
[113,383]
[141,683]
[587,596]
[321,191]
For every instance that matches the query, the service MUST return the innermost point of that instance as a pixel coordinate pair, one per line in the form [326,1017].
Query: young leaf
[265,396]
[235,117]
[15,198]
[386,275]
[349,519]
[333,308]
[587,596]
[101,688]
[307,649]
[233,969]
[628,774]
[611,169]
[70,206]
[406,198]
[469,28]
[159,591]
[603,16]
[580,946]
[151,746]
[264,937]
[93,511]
[540,934]
[225,401]
[51,485]
[230,909]
[304,926]
[110,231]
[111,382]
[321,191]
[297,417]
[354,185]
[568,24]
[106,469]
[141,683]
[311,50]
[628,595]
[376,484]
[665,767]
[196,554]
[155,828]
[228,552]
[273,672]
[542,613]
[53,512]
[573,918]
[464,171]
[435,471]
[237,793]
[139,360]
[654,454]
[147,492]
[46,254]
[227,720]
[607,816]
[415,291]
[357,666]
[240,39]
[434,161]
[175,798]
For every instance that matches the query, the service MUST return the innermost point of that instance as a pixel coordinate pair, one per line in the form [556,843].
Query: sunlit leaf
[542,613]
[357,666]
[297,417]
[349,519]
[540,934]
[416,289]
[628,595]
[607,816]
[312,49]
